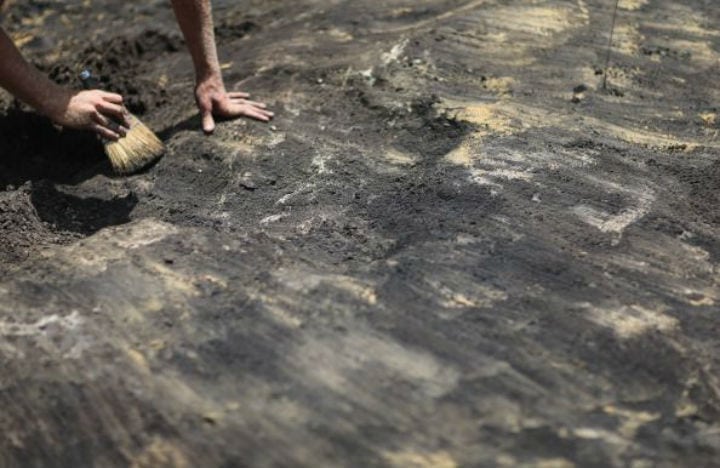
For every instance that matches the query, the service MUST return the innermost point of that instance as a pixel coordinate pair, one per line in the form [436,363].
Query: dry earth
[452,248]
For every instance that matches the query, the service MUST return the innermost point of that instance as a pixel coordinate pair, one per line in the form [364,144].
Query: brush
[136,150]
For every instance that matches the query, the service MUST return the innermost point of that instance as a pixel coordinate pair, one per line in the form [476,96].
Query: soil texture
[452,248]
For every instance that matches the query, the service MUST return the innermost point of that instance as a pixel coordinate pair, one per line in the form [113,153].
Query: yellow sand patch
[490,118]
[645,137]
[173,280]
[153,304]
[700,298]
[704,301]
[632,4]
[339,361]
[631,321]
[22,37]
[93,255]
[455,300]
[555,463]
[277,308]
[397,12]
[460,156]
[702,52]
[683,18]
[506,117]
[627,39]
[631,420]
[411,459]
[361,291]
[708,118]
[538,20]
[399,158]
[161,454]
[340,35]
[306,281]
[138,359]
[37,20]
[500,85]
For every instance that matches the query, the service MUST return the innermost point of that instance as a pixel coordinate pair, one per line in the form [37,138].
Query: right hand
[94,110]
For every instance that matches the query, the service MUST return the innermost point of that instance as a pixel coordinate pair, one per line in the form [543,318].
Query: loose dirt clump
[119,64]
[22,231]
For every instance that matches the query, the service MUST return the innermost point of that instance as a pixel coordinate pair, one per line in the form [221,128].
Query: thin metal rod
[609,47]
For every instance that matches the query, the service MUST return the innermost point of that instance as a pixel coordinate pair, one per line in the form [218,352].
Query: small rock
[247,182]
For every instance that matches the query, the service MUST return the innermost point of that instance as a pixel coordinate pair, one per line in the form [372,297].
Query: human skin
[90,110]
[98,110]
[195,20]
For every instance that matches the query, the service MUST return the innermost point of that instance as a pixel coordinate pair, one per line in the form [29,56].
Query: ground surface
[452,248]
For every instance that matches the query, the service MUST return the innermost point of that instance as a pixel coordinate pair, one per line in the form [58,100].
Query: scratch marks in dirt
[641,200]
[400,160]
[306,282]
[394,54]
[41,326]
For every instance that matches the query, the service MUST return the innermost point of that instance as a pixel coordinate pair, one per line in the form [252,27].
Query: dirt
[452,247]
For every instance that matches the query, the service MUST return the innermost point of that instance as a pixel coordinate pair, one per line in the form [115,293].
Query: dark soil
[452,247]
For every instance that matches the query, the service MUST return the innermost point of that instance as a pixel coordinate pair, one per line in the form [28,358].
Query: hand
[95,110]
[213,100]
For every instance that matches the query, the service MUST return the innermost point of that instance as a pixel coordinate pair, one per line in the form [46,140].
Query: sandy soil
[452,248]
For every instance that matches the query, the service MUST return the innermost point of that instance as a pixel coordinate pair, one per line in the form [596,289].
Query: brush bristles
[139,148]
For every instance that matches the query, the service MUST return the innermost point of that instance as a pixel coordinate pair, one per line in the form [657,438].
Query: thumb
[208,123]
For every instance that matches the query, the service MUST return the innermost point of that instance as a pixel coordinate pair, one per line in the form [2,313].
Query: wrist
[55,106]
[210,83]
[208,73]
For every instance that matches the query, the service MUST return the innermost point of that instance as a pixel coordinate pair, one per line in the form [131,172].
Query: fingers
[111,97]
[259,116]
[117,112]
[105,132]
[265,112]
[109,124]
[208,123]
[244,108]
[256,113]
[230,105]
[261,105]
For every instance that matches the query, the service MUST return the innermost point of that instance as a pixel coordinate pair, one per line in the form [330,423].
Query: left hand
[213,100]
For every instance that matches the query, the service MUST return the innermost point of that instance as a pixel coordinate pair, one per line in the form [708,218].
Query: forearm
[195,20]
[25,81]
